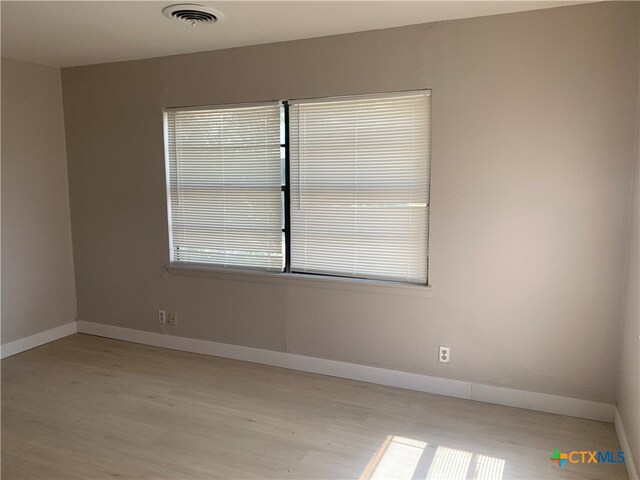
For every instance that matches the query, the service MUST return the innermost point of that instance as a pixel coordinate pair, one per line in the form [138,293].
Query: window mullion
[287,191]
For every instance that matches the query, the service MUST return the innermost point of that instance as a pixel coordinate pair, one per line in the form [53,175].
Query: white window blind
[360,186]
[224,186]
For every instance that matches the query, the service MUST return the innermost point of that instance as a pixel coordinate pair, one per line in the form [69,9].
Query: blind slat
[224,170]
[360,186]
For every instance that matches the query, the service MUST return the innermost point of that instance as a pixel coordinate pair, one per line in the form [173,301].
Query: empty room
[320,240]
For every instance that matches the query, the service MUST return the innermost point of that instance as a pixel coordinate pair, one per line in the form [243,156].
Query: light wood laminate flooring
[91,407]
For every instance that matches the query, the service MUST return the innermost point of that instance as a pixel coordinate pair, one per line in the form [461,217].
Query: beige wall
[533,143]
[37,268]
[629,377]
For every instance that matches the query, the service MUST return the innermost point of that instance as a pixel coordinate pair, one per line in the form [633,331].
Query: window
[360,186]
[336,186]
[224,186]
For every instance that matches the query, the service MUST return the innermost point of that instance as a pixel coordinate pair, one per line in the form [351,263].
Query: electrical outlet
[162,316]
[444,354]
[173,319]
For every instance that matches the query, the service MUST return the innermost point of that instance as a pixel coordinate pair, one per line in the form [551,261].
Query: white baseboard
[38,339]
[412,381]
[543,402]
[624,445]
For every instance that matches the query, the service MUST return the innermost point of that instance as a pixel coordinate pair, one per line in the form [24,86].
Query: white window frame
[287,277]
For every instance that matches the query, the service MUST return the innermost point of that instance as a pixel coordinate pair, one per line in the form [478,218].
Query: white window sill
[301,280]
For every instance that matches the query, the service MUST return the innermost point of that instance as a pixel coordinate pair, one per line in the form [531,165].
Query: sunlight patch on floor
[401,458]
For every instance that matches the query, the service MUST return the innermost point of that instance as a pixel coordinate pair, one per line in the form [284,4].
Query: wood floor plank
[91,407]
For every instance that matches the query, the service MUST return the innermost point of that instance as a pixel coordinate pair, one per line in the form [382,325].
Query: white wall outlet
[444,354]
[173,319]
[162,316]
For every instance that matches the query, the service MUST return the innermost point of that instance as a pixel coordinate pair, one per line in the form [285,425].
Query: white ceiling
[84,32]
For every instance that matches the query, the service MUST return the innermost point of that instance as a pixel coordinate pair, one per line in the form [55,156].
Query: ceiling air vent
[191,13]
